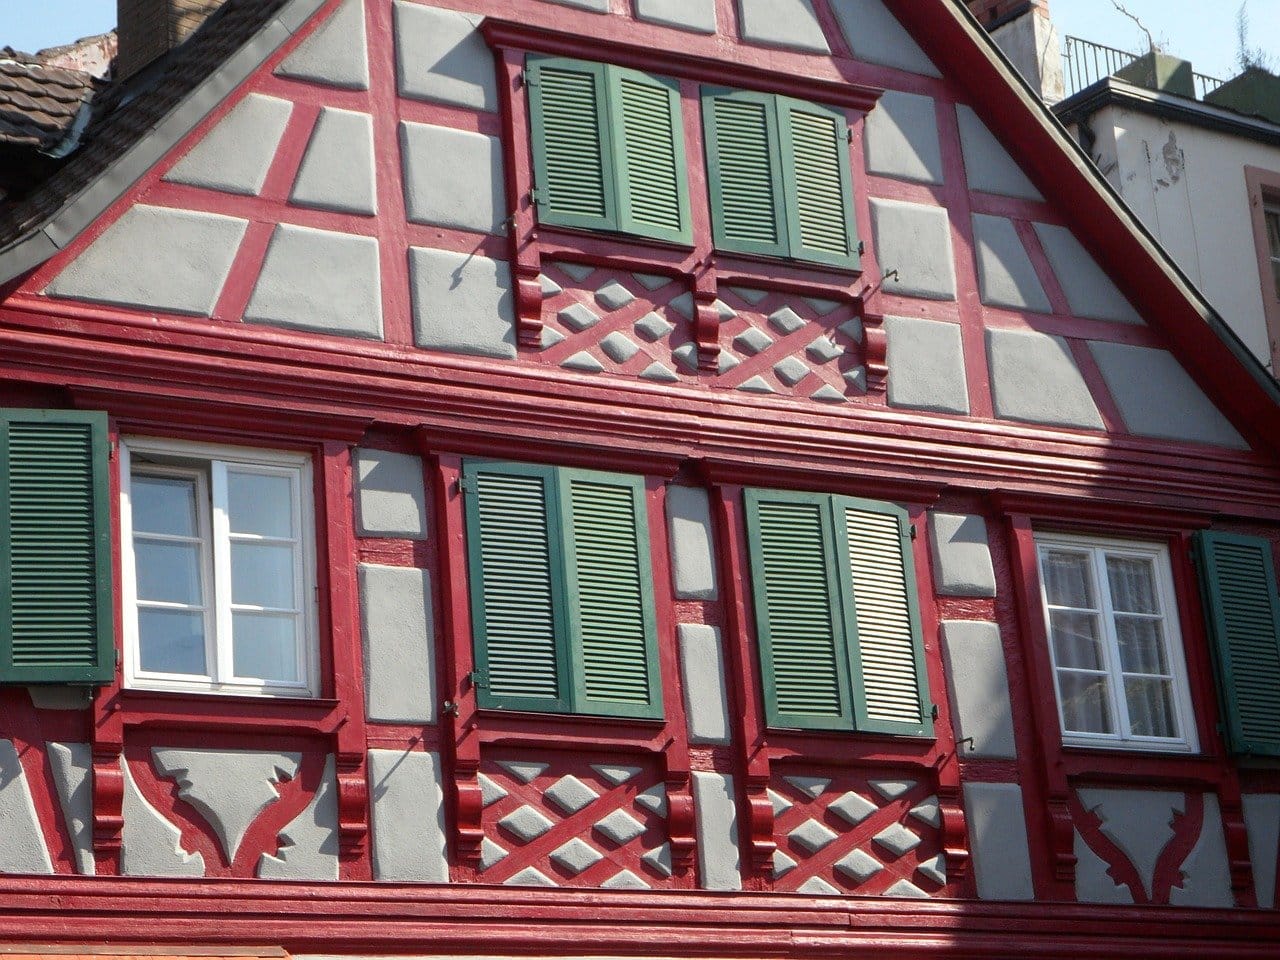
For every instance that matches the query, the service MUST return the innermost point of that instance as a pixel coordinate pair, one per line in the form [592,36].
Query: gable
[366,180]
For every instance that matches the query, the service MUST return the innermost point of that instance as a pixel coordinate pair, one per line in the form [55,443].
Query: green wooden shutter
[1238,580]
[799,621]
[610,589]
[648,139]
[572,157]
[744,171]
[55,548]
[513,551]
[891,689]
[815,152]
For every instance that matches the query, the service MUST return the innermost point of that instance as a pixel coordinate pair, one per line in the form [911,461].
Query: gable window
[561,590]
[837,614]
[1118,666]
[1272,218]
[219,569]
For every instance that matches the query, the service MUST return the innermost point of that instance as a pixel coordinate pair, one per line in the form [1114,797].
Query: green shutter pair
[55,548]
[837,615]
[1242,612]
[608,149]
[561,590]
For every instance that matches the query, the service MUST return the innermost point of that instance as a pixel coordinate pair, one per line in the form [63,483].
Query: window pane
[1141,645]
[265,647]
[1273,231]
[1085,704]
[164,505]
[262,575]
[1133,585]
[1075,640]
[259,504]
[168,572]
[1067,581]
[1151,712]
[171,641]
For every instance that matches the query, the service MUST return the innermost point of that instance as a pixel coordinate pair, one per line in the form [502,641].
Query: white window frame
[1272,211]
[1098,549]
[208,464]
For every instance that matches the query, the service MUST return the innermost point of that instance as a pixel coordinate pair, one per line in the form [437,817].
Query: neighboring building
[754,492]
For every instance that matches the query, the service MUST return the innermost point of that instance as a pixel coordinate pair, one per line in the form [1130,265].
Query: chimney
[1025,32]
[148,29]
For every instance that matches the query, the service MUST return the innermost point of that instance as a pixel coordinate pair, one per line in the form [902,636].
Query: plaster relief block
[309,845]
[1206,873]
[706,698]
[441,56]
[998,841]
[407,803]
[1093,881]
[1262,820]
[399,644]
[22,849]
[188,257]
[979,686]
[902,138]
[1089,290]
[1006,277]
[915,240]
[926,365]
[693,567]
[337,169]
[987,164]
[151,846]
[236,154]
[698,16]
[1034,378]
[72,765]
[454,178]
[1139,822]
[1158,398]
[321,281]
[391,499]
[462,303]
[719,860]
[875,35]
[782,23]
[336,54]
[961,555]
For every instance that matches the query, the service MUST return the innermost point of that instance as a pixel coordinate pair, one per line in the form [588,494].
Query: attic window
[1272,217]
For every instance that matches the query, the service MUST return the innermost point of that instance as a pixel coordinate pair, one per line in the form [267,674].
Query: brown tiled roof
[39,104]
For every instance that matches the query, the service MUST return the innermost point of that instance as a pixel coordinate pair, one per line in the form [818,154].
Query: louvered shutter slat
[818,184]
[744,172]
[653,191]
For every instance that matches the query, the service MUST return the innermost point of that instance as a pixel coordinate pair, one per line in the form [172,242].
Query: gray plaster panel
[61,698]
[150,844]
[961,555]
[441,56]
[1157,397]
[188,257]
[453,177]
[230,788]
[462,303]
[1005,274]
[407,799]
[1093,878]
[1262,820]
[1206,873]
[309,845]
[902,138]
[1139,822]
[1090,292]
[782,23]
[337,169]
[875,35]
[706,697]
[391,499]
[979,688]
[1035,378]
[595,6]
[915,240]
[319,280]
[23,848]
[696,15]
[693,565]
[926,365]
[399,644]
[336,54]
[987,164]
[72,768]
[719,860]
[998,841]
[297,13]
[236,154]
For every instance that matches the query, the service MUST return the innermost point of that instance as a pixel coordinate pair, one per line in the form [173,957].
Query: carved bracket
[876,350]
[1062,845]
[955,834]
[470,806]
[353,803]
[760,824]
[681,821]
[108,800]
[528,297]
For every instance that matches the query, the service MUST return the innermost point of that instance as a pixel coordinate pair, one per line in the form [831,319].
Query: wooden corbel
[875,347]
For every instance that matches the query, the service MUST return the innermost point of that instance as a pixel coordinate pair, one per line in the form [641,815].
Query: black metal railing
[1084,63]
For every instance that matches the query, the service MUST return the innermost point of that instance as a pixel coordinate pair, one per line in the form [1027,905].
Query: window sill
[514,726]
[206,710]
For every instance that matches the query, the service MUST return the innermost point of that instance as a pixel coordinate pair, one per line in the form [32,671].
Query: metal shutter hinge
[849,134]
[537,195]
[466,485]
[914,532]
[479,679]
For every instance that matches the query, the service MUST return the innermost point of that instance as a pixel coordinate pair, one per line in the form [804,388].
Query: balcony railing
[1084,63]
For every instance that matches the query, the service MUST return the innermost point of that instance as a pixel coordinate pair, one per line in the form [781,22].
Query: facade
[580,478]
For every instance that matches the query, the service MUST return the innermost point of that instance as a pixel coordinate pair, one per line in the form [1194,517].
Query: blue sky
[1183,27]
